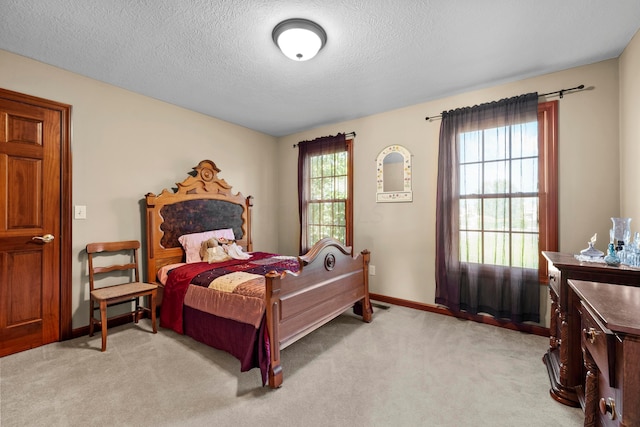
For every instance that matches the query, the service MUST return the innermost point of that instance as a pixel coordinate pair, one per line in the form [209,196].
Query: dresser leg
[591,391]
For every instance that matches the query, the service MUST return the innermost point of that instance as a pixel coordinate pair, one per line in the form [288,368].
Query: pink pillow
[191,242]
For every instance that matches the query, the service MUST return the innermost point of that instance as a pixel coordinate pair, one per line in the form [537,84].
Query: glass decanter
[621,232]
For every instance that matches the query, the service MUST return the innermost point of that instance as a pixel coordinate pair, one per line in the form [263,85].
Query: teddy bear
[211,251]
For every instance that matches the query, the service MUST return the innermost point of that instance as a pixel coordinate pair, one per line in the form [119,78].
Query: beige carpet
[406,368]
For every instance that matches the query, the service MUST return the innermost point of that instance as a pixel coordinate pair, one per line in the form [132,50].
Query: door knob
[45,239]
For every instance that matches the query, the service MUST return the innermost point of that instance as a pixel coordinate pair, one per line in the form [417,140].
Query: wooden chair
[113,294]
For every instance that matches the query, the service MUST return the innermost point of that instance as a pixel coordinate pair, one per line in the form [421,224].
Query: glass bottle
[612,257]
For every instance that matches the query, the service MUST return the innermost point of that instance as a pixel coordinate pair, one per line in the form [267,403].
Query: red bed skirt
[248,344]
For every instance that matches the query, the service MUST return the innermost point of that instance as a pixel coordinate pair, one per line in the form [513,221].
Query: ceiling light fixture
[299,39]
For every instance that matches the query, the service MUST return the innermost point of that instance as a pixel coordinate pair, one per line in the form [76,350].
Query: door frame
[66,318]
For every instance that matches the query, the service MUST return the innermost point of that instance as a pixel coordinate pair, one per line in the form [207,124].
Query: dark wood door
[30,224]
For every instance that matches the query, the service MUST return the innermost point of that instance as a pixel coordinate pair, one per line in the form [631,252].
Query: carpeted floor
[406,368]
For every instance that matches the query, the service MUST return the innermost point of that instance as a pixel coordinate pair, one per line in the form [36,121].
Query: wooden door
[31,138]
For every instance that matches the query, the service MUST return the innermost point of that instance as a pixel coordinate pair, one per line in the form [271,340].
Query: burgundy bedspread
[247,340]
[202,274]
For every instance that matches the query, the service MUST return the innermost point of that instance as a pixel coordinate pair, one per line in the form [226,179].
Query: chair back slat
[129,247]
[112,246]
[109,269]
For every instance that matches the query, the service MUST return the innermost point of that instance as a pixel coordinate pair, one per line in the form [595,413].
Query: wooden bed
[330,279]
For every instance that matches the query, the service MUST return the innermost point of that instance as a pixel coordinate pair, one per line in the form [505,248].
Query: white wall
[125,145]
[630,132]
[401,236]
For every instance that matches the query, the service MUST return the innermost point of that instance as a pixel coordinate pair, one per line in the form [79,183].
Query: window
[496,206]
[499,196]
[502,221]
[326,188]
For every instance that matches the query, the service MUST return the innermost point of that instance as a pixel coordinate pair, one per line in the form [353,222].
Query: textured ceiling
[217,57]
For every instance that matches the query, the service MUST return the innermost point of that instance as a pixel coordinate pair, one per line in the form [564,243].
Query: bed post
[249,205]
[273,315]
[152,271]
[367,311]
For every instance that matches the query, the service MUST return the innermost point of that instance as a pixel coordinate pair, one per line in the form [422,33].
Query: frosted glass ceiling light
[299,39]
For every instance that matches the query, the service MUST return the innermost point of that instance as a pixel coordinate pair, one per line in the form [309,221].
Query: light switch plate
[80,212]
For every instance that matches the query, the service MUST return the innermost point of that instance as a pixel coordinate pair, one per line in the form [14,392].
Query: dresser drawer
[610,396]
[554,279]
[600,343]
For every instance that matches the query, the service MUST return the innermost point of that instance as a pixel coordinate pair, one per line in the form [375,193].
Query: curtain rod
[353,134]
[561,92]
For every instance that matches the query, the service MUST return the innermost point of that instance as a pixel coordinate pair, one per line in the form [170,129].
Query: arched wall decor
[393,167]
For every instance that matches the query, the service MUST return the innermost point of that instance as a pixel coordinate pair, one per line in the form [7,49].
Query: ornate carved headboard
[202,202]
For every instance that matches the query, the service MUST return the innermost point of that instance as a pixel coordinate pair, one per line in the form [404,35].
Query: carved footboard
[331,280]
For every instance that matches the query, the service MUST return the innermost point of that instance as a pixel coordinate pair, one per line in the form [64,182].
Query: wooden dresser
[564,356]
[610,339]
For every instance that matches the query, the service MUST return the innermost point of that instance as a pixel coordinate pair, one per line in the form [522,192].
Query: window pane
[328,188]
[470,246]
[524,176]
[341,187]
[496,177]
[525,250]
[328,165]
[314,213]
[340,213]
[314,233]
[496,214]
[495,144]
[327,213]
[340,233]
[341,163]
[470,147]
[315,163]
[524,214]
[525,140]
[496,248]
[315,185]
[471,179]
[470,214]
[325,231]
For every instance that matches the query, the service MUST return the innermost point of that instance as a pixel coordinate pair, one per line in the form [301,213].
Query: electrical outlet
[372,270]
[80,212]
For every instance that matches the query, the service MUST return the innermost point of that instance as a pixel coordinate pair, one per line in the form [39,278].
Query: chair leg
[136,312]
[103,320]
[91,314]
[153,312]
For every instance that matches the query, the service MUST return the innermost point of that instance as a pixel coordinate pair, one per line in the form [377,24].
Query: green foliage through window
[327,205]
